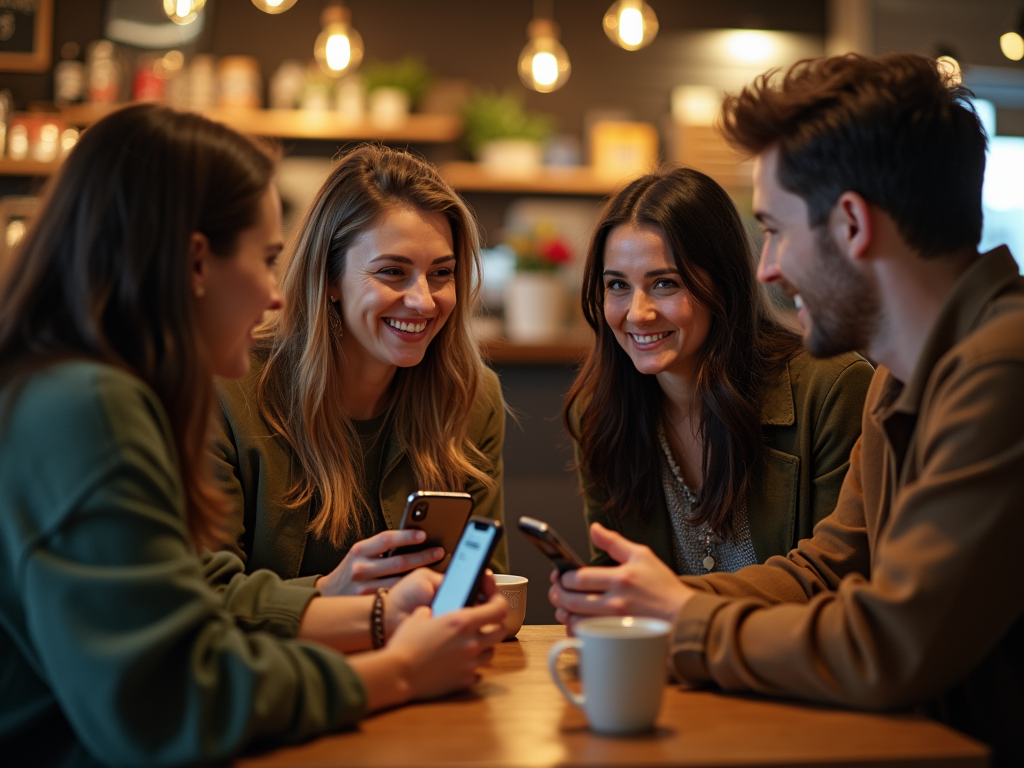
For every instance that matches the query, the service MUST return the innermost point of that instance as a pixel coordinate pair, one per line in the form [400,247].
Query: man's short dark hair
[896,129]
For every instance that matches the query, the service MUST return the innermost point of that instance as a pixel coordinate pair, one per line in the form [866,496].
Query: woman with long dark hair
[367,387]
[144,274]
[702,428]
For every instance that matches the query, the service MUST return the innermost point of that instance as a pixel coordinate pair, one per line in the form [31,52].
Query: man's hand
[641,585]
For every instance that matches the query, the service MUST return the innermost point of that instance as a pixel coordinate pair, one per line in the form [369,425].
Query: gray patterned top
[697,550]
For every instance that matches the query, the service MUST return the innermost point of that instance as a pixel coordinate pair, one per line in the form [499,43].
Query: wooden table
[516,717]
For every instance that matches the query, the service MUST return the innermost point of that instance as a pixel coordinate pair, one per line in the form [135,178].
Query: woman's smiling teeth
[401,325]
[649,338]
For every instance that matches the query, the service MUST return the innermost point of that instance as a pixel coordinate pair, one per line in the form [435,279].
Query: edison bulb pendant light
[544,64]
[950,68]
[183,11]
[273,6]
[1012,45]
[338,48]
[630,24]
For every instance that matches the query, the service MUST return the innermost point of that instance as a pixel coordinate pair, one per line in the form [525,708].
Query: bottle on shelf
[68,76]
[103,73]
[238,79]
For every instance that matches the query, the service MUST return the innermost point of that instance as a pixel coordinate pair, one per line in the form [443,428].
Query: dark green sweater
[117,643]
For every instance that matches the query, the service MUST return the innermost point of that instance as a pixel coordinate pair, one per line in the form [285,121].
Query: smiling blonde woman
[367,386]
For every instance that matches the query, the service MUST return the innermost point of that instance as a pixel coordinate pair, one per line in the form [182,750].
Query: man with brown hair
[867,182]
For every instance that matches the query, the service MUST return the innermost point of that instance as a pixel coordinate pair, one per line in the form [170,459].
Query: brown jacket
[911,592]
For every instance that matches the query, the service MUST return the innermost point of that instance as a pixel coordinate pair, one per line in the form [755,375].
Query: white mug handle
[556,650]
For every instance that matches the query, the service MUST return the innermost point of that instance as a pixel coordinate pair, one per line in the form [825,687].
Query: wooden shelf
[568,180]
[504,352]
[10,167]
[299,124]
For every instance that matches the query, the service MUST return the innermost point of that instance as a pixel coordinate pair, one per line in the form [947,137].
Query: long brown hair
[299,392]
[103,272]
[613,410]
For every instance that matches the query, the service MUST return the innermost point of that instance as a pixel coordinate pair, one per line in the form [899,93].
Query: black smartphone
[442,515]
[551,544]
[469,561]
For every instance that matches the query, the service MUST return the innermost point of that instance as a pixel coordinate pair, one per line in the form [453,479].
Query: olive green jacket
[811,420]
[256,469]
[117,643]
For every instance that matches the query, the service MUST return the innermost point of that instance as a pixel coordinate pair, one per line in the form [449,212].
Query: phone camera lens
[419,512]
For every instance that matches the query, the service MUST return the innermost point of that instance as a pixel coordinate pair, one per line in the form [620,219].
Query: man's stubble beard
[843,304]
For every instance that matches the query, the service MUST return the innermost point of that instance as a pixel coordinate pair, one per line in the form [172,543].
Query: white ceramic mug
[622,668]
[514,590]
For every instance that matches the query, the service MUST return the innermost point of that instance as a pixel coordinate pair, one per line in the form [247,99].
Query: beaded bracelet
[377,634]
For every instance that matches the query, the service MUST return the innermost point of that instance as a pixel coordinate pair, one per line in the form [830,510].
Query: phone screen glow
[469,559]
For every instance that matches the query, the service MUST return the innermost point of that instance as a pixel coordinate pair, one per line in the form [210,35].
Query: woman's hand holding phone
[428,657]
[365,569]
[413,590]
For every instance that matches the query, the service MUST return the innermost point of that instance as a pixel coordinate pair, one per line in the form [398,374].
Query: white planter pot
[534,307]
[388,107]
[512,158]
[350,100]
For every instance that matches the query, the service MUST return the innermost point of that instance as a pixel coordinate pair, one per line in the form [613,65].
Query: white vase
[511,158]
[389,107]
[534,307]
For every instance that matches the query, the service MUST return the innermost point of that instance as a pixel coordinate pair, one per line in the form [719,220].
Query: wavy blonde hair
[299,391]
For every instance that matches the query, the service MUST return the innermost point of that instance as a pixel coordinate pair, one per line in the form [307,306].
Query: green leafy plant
[491,116]
[410,75]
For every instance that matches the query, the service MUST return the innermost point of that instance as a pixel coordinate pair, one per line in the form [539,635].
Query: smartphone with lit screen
[551,544]
[466,569]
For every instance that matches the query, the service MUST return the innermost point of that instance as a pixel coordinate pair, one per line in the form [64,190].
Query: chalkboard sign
[26,32]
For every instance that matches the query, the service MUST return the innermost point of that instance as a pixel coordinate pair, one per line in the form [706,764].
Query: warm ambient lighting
[1012,46]
[750,46]
[951,68]
[544,64]
[630,24]
[338,48]
[183,11]
[273,6]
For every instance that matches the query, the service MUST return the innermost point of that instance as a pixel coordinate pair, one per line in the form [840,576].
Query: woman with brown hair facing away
[150,262]
[367,387]
[702,429]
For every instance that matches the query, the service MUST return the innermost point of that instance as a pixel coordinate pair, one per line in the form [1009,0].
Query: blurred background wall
[478,43]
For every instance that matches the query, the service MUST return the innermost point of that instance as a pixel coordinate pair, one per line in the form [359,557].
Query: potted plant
[393,88]
[502,135]
[535,296]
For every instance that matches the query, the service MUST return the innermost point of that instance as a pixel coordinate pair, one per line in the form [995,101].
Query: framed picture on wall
[26,35]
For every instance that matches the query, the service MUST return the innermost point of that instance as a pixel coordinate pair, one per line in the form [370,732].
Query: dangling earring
[334,318]
[199,291]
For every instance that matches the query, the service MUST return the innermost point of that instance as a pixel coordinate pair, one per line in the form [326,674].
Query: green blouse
[117,643]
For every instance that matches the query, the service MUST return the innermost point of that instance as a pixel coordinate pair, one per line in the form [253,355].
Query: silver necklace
[686,500]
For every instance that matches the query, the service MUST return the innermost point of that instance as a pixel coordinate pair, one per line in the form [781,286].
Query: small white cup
[622,668]
[514,590]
